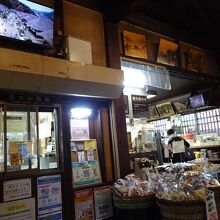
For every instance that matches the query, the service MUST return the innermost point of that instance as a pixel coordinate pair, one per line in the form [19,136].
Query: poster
[103,202]
[86,173]
[134,45]
[17,123]
[16,189]
[79,129]
[195,60]
[18,210]
[167,52]
[51,216]
[84,205]
[49,194]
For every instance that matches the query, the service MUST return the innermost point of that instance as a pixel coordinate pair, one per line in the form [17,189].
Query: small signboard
[139,106]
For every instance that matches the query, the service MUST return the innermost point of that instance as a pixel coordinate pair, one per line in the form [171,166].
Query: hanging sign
[139,106]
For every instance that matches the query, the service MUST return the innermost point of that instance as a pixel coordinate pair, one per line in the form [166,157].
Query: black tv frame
[13,43]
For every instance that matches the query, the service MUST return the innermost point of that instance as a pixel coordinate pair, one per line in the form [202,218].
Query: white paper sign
[18,210]
[103,202]
[178,147]
[16,189]
[49,194]
[211,210]
[51,216]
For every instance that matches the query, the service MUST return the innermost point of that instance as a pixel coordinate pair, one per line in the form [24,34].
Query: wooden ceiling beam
[118,10]
[201,12]
[91,4]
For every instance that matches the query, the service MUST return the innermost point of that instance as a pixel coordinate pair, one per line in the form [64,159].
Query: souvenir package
[187,185]
[132,186]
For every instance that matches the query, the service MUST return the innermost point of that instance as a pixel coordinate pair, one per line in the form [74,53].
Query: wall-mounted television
[26,21]
[197,101]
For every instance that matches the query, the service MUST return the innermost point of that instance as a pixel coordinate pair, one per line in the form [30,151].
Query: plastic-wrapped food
[132,186]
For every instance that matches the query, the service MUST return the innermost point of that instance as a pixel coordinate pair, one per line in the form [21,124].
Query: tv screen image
[26,21]
[197,101]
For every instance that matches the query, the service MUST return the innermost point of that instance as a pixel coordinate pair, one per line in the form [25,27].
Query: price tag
[211,210]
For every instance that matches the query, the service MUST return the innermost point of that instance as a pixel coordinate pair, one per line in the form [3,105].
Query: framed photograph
[167,52]
[165,109]
[152,113]
[181,105]
[134,45]
[126,104]
[195,60]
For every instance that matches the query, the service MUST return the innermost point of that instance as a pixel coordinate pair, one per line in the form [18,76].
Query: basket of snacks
[133,193]
[182,196]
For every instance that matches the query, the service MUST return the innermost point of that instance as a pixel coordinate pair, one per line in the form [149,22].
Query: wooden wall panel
[49,3]
[86,24]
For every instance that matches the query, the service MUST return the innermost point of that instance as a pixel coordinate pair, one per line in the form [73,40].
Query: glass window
[21,139]
[48,137]
[1,139]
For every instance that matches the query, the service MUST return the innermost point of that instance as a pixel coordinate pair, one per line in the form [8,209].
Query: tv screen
[197,101]
[27,21]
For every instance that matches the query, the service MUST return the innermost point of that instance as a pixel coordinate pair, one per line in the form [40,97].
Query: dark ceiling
[194,21]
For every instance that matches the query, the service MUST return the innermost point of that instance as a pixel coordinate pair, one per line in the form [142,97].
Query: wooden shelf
[213,160]
[211,146]
[142,154]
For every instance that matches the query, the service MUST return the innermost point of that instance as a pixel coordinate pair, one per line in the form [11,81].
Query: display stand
[85,163]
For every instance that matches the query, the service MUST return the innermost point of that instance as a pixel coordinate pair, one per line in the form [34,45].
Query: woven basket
[134,202]
[182,210]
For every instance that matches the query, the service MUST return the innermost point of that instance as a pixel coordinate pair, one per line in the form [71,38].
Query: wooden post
[113,61]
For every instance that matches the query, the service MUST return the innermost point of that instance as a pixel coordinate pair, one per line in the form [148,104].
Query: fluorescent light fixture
[151,94]
[80,113]
[133,77]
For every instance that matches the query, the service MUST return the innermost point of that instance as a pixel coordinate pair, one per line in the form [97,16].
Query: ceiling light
[80,113]
[151,94]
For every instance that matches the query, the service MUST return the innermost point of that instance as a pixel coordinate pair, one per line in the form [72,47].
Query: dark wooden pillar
[67,187]
[113,61]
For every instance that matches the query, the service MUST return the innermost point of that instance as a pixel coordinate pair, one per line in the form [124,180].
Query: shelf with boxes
[212,152]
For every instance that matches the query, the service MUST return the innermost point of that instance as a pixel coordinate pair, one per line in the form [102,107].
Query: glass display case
[29,136]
